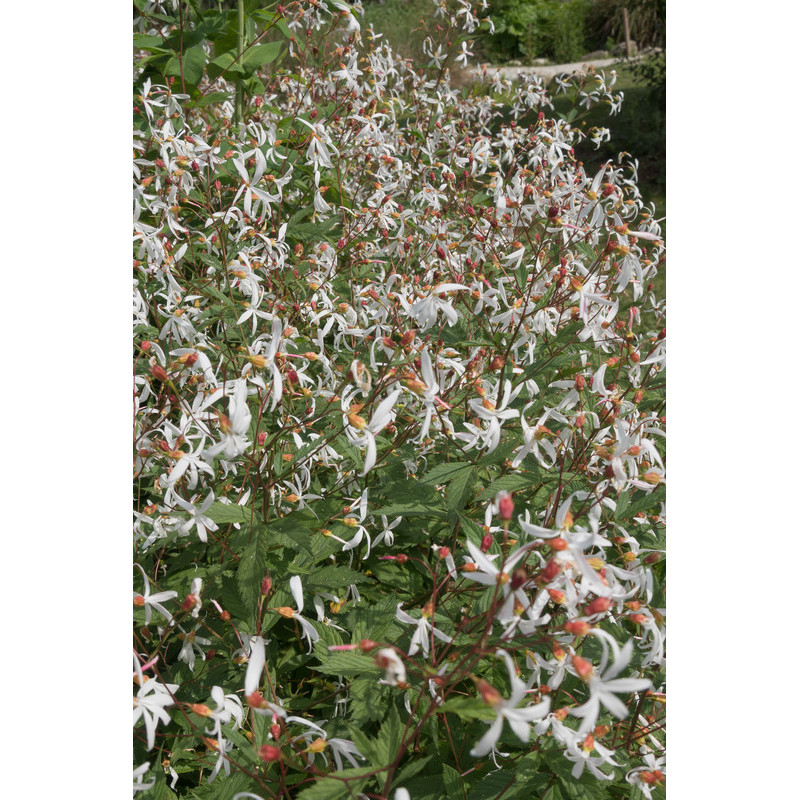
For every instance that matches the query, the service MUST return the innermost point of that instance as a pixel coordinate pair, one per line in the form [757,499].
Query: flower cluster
[398,443]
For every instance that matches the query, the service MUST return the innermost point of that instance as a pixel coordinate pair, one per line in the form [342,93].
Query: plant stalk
[238,113]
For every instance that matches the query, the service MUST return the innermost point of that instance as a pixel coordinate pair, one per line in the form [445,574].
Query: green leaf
[333,577]
[645,503]
[226,63]
[389,738]
[452,781]
[410,498]
[493,785]
[347,783]
[460,489]
[153,44]
[467,708]
[514,482]
[226,788]
[443,473]
[261,54]
[224,513]
[252,568]
[623,501]
[368,700]
[414,766]
[347,662]
[192,64]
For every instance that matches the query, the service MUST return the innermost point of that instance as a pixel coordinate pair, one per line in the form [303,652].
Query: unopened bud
[506,506]
[577,627]
[598,606]
[551,569]
[268,752]
[556,595]
[189,603]
[582,667]
[486,543]
[488,693]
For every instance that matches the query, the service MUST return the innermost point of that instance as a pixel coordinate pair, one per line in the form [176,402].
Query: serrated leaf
[623,501]
[452,781]
[334,577]
[347,784]
[514,482]
[224,513]
[225,788]
[500,783]
[252,569]
[460,489]
[414,766]
[442,473]
[389,738]
[645,503]
[345,663]
[368,700]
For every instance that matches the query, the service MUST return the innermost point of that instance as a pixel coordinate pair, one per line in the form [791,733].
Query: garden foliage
[529,29]
[399,420]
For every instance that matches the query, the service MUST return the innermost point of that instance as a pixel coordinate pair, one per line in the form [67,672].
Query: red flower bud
[268,752]
[598,606]
[582,667]
[506,506]
[577,627]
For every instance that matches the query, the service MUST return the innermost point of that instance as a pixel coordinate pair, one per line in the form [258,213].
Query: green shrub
[528,29]
[646,21]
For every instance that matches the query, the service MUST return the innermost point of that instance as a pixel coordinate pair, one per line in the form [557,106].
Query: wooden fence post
[626,21]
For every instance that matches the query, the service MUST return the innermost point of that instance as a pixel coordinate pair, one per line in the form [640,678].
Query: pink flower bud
[506,506]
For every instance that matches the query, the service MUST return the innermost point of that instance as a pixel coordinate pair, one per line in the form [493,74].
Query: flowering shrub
[399,465]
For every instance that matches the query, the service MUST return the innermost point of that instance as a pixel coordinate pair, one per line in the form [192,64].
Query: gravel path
[550,71]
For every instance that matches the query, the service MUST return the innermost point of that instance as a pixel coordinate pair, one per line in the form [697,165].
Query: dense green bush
[646,21]
[528,29]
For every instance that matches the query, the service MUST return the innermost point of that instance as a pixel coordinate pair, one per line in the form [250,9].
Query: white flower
[421,637]
[197,516]
[490,575]
[603,689]
[138,778]
[309,631]
[387,659]
[518,718]
[149,704]
[152,601]
[363,433]
[255,665]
